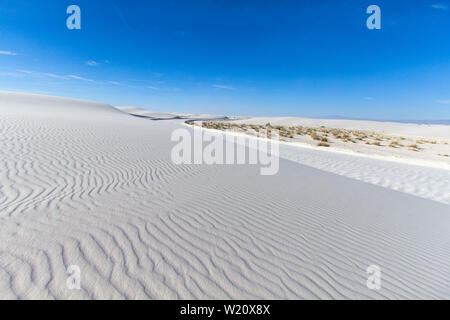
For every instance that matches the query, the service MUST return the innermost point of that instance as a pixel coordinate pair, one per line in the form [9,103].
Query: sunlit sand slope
[84,184]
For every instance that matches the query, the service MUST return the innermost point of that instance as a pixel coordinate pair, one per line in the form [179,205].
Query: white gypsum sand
[84,184]
[354,151]
[394,128]
[139,112]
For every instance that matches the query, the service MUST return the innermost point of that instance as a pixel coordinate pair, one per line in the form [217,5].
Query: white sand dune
[424,174]
[139,112]
[419,180]
[85,184]
[396,128]
[429,180]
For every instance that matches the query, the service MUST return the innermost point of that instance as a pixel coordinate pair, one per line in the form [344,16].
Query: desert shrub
[395,144]
[314,135]
[414,147]
[283,133]
[426,141]
[323,144]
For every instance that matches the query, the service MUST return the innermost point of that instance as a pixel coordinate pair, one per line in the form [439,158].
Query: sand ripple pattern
[425,182]
[105,196]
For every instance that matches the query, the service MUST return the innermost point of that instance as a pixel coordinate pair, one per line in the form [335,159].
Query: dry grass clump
[395,144]
[345,136]
[413,147]
[336,133]
[283,133]
[360,135]
[215,125]
[314,135]
[323,144]
[422,141]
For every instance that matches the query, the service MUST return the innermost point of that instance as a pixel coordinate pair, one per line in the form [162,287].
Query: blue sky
[285,58]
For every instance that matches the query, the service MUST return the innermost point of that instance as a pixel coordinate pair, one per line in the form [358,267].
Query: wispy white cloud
[52,75]
[220,86]
[444,101]
[23,72]
[439,6]
[11,74]
[153,88]
[42,74]
[92,63]
[114,82]
[8,53]
[79,78]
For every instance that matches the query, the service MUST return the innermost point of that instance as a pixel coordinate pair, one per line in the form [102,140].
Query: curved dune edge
[139,112]
[425,179]
[82,184]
